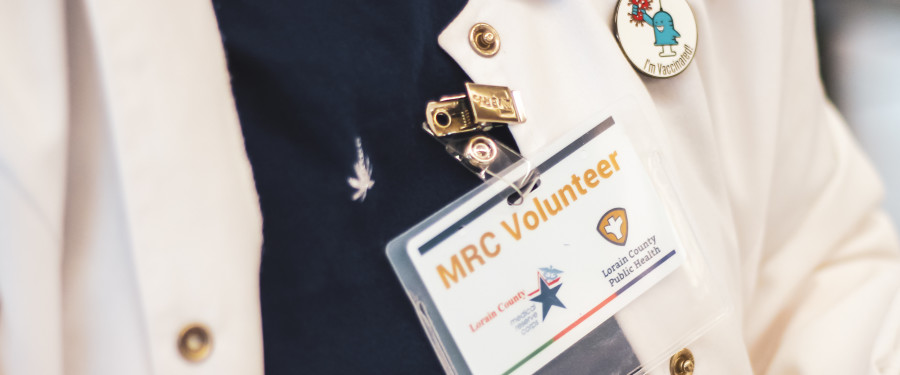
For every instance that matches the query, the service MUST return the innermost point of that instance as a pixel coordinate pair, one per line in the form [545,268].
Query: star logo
[548,297]
[613,226]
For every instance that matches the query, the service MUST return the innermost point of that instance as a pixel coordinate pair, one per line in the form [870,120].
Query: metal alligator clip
[461,122]
[481,108]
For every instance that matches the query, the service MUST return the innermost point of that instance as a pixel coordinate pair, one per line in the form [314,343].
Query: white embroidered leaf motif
[363,169]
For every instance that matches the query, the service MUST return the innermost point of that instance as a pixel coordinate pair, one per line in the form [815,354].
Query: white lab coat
[101,265]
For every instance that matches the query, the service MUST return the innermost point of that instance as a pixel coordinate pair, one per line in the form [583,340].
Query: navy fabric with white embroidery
[309,78]
[314,83]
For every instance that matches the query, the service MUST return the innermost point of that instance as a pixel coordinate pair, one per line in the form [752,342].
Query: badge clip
[460,123]
[480,109]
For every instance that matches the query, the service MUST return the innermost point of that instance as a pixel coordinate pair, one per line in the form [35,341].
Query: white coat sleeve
[826,280]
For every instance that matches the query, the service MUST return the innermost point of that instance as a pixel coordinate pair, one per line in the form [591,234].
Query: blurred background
[859,46]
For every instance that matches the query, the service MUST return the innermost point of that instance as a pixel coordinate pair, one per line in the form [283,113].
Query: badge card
[504,289]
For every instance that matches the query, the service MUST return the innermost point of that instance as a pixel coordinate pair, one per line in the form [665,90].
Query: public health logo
[613,226]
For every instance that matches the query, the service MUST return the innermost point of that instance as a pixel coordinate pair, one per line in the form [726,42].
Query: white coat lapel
[188,191]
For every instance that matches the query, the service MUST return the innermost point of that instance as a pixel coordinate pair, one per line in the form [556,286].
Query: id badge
[504,288]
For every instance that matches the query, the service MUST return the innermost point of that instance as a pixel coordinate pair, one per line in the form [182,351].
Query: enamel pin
[659,37]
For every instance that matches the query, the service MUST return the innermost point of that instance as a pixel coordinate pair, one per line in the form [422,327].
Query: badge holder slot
[487,157]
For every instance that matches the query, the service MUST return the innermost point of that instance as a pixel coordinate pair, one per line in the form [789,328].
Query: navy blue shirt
[310,80]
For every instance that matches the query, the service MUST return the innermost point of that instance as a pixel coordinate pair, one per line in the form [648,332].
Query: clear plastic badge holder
[668,316]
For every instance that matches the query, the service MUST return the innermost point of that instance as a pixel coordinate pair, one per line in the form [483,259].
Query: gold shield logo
[613,226]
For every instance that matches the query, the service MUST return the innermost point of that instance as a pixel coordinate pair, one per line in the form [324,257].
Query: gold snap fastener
[682,363]
[195,342]
[481,151]
[484,39]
